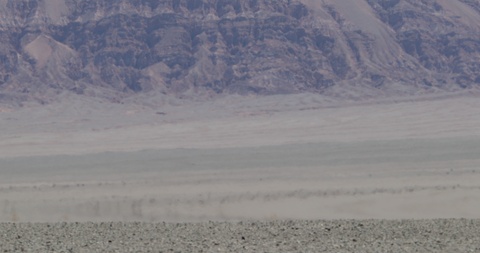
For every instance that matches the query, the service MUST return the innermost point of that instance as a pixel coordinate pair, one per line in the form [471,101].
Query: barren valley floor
[278,158]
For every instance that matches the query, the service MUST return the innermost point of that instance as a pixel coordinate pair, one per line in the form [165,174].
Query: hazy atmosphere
[284,126]
[286,157]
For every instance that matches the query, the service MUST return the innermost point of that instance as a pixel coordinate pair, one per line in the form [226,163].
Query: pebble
[443,235]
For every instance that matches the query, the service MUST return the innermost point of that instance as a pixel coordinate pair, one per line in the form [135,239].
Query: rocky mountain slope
[351,48]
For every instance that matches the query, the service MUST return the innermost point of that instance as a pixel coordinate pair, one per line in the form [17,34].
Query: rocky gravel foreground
[452,235]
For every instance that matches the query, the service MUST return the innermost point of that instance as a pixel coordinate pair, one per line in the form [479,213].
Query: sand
[274,164]
[250,236]
[389,180]
[231,159]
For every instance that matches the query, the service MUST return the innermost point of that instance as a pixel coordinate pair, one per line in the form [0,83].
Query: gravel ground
[460,235]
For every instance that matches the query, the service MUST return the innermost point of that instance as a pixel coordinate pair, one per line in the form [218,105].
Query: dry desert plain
[277,157]
[296,173]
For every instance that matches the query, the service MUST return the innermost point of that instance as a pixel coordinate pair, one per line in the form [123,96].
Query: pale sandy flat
[280,157]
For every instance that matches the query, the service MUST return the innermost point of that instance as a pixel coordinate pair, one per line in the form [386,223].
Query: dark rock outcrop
[118,48]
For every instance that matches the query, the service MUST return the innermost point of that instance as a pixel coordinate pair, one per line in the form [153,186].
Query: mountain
[114,49]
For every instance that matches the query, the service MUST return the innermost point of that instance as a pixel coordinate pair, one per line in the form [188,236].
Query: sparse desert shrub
[14,216]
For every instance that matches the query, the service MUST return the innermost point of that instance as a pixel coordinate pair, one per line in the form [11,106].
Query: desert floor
[279,157]
[444,235]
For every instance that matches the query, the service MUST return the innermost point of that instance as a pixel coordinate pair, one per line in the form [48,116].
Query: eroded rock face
[114,48]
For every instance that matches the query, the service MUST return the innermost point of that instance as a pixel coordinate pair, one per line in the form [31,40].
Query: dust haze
[239,158]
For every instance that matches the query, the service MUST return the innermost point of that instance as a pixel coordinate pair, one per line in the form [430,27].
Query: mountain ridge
[116,49]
